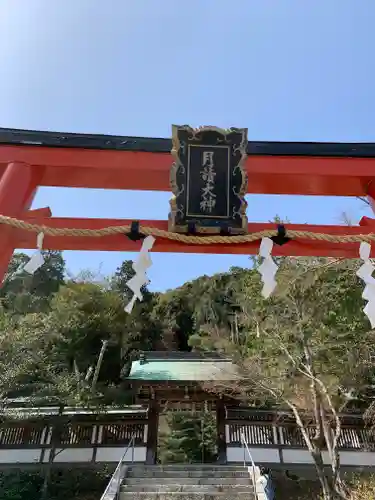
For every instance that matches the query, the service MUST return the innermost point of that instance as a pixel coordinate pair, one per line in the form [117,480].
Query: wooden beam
[27,240]
[38,212]
[140,170]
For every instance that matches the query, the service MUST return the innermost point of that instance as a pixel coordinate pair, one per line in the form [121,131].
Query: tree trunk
[47,476]
[51,458]
[98,366]
[319,467]
[332,487]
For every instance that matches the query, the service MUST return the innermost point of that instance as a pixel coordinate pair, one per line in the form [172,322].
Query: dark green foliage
[51,333]
[20,485]
[83,315]
[174,310]
[22,293]
[65,484]
[69,323]
[122,275]
[182,312]
[60,327]
[191,438]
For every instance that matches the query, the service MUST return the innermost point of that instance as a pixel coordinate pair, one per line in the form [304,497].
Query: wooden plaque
[208,180]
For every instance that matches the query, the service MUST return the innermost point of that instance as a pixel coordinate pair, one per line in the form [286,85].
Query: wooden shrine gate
[174,380]
[29,159]
[209,171]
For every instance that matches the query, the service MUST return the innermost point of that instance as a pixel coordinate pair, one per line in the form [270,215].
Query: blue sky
[286,69]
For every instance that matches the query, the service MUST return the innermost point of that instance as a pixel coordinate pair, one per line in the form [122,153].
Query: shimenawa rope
[182,238]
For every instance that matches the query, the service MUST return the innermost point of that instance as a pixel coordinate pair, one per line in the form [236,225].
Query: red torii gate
[32,159]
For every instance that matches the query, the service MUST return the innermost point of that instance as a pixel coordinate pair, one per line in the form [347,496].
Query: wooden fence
[288,435]
[29,435]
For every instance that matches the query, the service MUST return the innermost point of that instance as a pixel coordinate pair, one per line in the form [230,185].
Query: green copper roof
[180,368]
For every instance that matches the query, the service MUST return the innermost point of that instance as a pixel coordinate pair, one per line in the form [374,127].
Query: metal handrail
[113,487]
[246,448]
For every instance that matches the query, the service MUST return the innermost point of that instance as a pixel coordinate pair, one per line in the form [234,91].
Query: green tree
[83,315]
[191,438]
[182,312]
[309,349]
[22,292]
[53,353]
[122,275]
[70,337]
[174,311]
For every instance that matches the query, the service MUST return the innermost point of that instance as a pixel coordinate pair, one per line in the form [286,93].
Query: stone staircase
[187,482]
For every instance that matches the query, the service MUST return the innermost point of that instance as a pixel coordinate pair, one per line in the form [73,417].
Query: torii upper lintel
[31,159]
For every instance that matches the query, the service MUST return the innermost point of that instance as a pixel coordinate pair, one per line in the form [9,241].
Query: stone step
[189,488]
[235,473]
[185,496]
[184,466]
[191,468]
[188,480]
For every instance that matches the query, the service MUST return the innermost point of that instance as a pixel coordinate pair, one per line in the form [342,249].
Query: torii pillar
[18,185]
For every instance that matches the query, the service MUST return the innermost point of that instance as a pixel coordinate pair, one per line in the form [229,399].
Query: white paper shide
[140,267]
[37,260]
[365,273]
[268,268]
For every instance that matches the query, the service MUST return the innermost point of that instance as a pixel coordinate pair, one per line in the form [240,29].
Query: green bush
[64,484]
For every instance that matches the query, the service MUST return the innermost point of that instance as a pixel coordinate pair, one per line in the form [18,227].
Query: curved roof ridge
[182,356]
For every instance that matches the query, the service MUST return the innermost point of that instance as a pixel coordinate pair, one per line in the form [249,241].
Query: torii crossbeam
[32,159]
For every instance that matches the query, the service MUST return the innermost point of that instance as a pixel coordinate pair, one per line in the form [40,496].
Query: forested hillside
[310,347]
[55,326]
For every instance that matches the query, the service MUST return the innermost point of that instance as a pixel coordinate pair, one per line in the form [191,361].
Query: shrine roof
[162,145]
[182,367]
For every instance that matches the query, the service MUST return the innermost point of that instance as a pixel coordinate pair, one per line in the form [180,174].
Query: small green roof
[185,367]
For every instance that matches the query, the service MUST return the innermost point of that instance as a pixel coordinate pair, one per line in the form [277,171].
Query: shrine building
[170,381]
[162,382]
